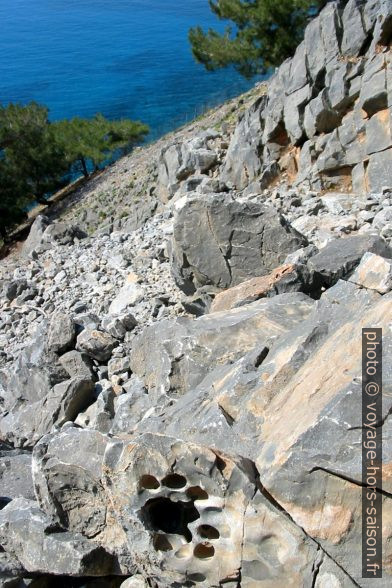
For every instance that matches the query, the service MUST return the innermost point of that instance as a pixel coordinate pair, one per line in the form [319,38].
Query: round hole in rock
[162,543]
[149,482]
[204,550]
[162,514]
[197,493]
[208,532]
[197,577]
[174,481]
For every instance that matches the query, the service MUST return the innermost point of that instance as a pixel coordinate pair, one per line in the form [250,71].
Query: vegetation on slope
[38,157]
[263,33]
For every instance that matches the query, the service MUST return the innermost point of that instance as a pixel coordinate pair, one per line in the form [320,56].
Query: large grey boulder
[198,516]
[341,256]
[180,160]
[28,534]
[34,239]
[292,407]
[173,357]
[220,241]
[69,483]
[62,332]
[24,425]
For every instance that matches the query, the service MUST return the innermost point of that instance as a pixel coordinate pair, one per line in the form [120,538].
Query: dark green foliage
[94,141]
[31,162]
[37,157]
[265,32]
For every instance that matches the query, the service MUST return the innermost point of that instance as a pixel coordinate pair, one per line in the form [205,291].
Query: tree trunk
[3,233]
[41,200]
[84,167]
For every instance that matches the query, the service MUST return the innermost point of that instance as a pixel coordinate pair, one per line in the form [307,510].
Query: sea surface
[123,58]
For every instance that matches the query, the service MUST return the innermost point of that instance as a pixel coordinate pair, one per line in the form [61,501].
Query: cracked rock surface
[180,367]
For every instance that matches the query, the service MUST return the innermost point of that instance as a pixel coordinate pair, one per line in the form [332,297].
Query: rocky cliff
[180,381]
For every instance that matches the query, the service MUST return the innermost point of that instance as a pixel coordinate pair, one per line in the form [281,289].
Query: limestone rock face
[340,257]
[67,469]
[330,102]
[143,447]
[178,161]
[311,379]
[374,272]
[28,534]
[285,278]
[174,357]
[222,242]
[185,504]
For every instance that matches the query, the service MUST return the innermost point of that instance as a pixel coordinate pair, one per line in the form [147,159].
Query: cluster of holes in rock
[162,515]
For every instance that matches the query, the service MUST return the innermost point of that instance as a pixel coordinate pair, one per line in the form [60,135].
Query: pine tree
[265,32]
[30,151]
[89,143]
[37,157]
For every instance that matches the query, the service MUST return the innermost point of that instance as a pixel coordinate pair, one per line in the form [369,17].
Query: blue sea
[123,58]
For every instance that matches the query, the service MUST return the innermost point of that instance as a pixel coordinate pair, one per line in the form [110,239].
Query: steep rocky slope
[180,362]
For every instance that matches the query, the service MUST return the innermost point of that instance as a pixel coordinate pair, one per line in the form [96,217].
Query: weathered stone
[379,132]
[373,96]
[287,278]
[222,242]
[354,35]
[319,116]
[26,424]
[34,239]
[173,357]
[100,414]
[301,256]
[96,344]
[338,87]
[341,256]
[61,234]
[254,398]
[242,163]
[382,217]
[16,288]
[130,294]
[27,534]
[200,302]
[298,75]
[294,108]
[118,326]
[67,472]
[178,161]
[131,407]
[62,332]
[374,272]
[185,503]
[77,364]
[379,171]
[118,365]
[15,475]
[332,156]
